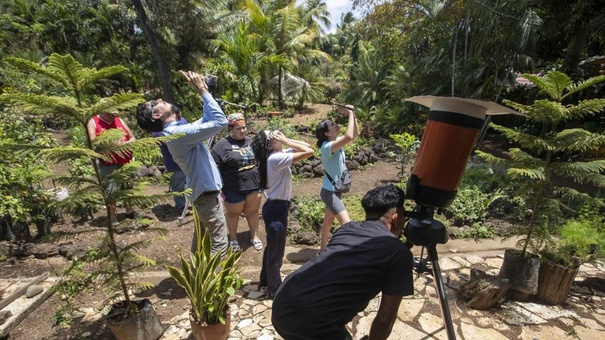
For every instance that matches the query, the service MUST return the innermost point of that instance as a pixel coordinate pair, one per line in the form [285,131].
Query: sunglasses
[152,105]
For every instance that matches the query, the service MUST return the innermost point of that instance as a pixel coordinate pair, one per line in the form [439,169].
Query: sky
[336,8]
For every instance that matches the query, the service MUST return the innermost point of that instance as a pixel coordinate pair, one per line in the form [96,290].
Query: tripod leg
[445,309]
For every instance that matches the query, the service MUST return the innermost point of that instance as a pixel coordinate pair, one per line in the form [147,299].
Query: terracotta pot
[216,331]
[144,325]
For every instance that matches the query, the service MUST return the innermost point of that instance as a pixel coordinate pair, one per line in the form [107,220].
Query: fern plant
[549,154]
[75,102]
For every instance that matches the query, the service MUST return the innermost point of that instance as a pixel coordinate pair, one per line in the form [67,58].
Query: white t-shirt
[279,175]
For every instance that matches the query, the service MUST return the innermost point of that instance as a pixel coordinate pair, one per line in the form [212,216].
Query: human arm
[385,317]
[129,133]
[302,150]
[352,130]
[214,121]
[90,129]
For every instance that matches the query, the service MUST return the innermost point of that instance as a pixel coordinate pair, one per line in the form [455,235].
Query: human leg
[325,229]
[275,216]
[251,208]
[178,181]
[212,219]
[232,214]
[335,208]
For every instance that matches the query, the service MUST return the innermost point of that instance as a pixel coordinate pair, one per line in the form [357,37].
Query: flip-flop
[257,244]
[235,245]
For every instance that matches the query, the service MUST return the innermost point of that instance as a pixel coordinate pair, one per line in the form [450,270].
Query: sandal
[235,245]
[257,244]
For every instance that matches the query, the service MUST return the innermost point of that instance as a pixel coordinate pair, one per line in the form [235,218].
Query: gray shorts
[332,200]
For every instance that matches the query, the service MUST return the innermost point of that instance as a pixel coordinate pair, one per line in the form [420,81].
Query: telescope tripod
[427,233]
[436,270]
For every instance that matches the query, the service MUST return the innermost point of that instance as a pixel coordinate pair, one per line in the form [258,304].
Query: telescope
[451,132]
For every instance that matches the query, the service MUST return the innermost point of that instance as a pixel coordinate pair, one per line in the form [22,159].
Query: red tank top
[102,125]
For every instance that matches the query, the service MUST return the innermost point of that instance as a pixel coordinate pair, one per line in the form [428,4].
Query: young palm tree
[542,157]
[75,102]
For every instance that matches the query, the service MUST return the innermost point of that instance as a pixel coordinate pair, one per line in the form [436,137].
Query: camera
[212,82]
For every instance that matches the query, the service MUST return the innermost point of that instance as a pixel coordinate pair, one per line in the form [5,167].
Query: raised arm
[302,150]
[352,130]
[212,121]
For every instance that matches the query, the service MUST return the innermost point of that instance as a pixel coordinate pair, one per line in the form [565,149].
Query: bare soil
[38,325]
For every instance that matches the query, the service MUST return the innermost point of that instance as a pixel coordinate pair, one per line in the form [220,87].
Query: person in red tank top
[105,121]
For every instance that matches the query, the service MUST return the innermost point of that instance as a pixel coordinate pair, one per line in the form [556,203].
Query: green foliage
[476,232]
[548,154]
[579,241]
[21,174]
[470,206]
[309,212]
[209,280]
[409,145]
[75,103]
[73,281]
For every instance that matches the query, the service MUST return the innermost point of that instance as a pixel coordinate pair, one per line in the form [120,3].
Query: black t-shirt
[236,163]
[361,260]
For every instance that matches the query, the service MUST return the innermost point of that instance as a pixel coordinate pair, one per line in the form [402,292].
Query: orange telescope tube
[447,142]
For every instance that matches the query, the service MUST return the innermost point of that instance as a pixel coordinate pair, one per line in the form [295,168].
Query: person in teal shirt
[333,160]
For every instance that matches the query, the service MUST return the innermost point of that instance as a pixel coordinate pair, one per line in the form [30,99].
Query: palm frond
[45,105]
[582,85]
[26,65]
[578,140]
[68,67]
[530,142]
[533,174]
[553,83]
[118,101]
[92,76]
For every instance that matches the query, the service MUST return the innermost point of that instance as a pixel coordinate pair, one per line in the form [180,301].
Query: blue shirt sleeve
[211,123]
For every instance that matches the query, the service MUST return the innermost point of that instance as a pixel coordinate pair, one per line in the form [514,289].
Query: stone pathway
[582,317]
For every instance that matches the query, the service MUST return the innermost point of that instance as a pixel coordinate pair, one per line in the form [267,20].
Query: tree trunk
[157,51]
[483,291]
[554,282]
[280,96]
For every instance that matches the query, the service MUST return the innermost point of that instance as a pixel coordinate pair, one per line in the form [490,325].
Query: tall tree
[156,50]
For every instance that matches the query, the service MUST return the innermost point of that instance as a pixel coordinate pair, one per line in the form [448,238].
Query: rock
[70,251]
[44,250]
[5,249]
[306,237]
[33,290]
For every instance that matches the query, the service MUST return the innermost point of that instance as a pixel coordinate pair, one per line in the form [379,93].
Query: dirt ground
[38,325]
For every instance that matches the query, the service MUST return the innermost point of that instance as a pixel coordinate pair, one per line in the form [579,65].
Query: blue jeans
[212,219]
[177,184]
[275,216]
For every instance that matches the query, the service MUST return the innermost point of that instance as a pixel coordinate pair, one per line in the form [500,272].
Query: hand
[196,80]
[345,109]
[278,136]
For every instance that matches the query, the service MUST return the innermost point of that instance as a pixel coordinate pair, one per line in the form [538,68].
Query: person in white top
[274,166]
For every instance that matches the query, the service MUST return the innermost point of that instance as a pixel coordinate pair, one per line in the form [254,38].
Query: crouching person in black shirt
[361,260]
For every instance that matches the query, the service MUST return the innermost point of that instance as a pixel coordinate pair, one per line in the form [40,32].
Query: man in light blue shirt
[192,155]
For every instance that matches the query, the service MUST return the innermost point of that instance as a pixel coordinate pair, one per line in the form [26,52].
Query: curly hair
[260,147]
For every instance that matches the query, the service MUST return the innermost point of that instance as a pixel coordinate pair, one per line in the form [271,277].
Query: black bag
[344,182]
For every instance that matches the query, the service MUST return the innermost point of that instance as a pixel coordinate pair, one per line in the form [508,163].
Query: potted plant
[579,241]
[546,150]
[75,102]
[209,280]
